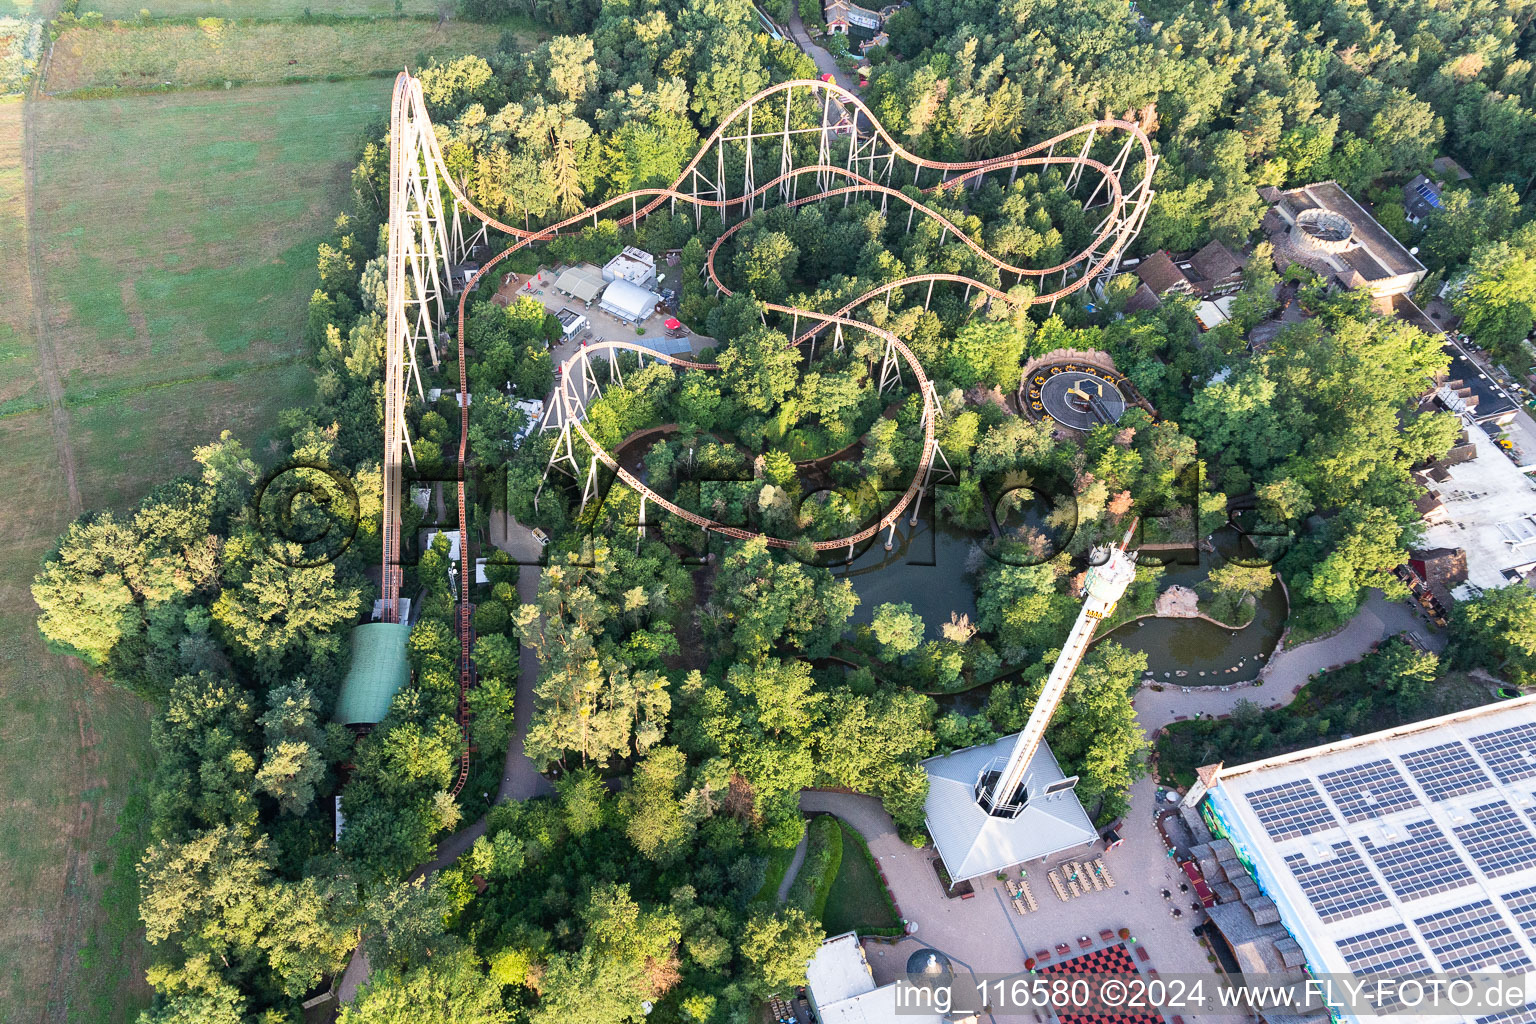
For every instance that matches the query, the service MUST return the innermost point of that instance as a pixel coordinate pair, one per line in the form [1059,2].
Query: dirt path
[47,358]
[72,913]
[795,863]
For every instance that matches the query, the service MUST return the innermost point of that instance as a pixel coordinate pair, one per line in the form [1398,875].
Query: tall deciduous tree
[294,760]
[1496,630]
[278,612]
[898,628]
[760,368]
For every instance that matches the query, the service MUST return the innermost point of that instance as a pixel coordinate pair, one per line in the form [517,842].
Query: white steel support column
[1077,168]
[890,368]
[589,489]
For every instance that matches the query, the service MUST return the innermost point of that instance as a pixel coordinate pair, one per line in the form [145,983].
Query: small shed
[378,671]
[570,321]
[1142,299]
[629,301]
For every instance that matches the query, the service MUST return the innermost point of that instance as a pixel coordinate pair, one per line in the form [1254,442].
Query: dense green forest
[683,701]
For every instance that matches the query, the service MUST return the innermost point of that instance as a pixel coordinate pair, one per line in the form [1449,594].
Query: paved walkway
[1290,669]
[984,934]
[825,63]
[521,779]
[794,866]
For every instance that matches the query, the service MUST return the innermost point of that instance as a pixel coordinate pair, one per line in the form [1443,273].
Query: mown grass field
[177,237]
[70,749]
[180,229]
[123,10]
[125,445]
[133,57]
[18,352]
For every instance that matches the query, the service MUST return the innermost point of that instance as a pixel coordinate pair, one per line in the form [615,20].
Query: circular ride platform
[1075,394]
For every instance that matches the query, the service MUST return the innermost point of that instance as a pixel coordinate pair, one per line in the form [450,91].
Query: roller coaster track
[426,241]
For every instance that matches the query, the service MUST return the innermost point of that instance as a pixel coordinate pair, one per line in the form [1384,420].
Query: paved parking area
[602,326]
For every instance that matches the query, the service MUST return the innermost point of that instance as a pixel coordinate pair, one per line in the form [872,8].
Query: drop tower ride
[1019,806]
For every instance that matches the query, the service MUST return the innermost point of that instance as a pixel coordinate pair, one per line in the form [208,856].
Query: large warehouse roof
[378,672]
[1412,849]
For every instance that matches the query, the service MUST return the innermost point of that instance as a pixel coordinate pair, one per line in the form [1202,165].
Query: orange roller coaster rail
[417,234]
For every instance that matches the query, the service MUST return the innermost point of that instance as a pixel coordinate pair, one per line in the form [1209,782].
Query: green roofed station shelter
[379,670]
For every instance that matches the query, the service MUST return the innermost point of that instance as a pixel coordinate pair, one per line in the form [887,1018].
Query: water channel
[927,569]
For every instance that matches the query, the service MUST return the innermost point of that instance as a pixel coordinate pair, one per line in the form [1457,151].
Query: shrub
[823,858]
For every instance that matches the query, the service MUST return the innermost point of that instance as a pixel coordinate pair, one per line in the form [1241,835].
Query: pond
[925,568]
[1171,645]
[1196,646]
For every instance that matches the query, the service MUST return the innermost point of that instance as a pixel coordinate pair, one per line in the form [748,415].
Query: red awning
[673,323]
[1192,871]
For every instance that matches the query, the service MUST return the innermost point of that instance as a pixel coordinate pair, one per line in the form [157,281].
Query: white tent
[629,301]
[582,282]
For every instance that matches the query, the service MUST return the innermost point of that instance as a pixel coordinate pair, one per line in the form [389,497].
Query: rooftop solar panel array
[1447,770]
[1497,839]
[666,346]
[1291,809]
[1370,790]
[1511,753]
[1522,904]
[1423,863]
[1525,1015]
[1389,950]
[1340,886]
[1473,937]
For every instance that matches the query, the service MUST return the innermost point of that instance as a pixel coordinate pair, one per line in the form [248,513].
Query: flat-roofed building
[843,990]
[1487,509]
[1406,851]
[1421,198]
[1323,228]
[636,266]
